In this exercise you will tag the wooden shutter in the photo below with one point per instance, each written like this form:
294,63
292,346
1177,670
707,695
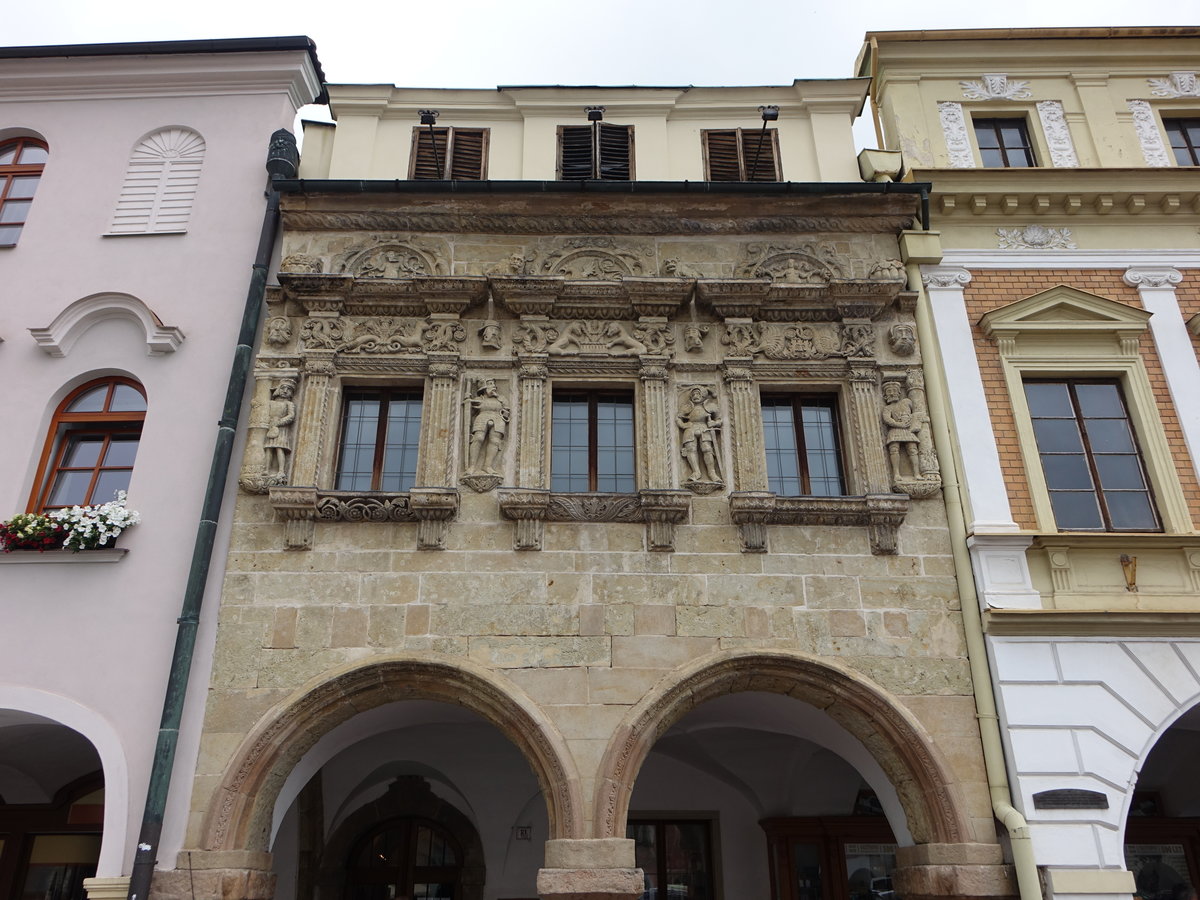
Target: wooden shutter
426,165
722,155
615,152
759,155
468,154
575,152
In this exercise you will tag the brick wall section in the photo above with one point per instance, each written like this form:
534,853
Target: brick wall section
990,289
1188,295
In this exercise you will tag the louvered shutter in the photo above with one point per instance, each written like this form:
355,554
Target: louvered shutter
160,183
615,152
721,149
758,155
575,152
429,154
467,152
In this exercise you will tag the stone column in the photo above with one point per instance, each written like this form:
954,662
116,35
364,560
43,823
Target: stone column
865,411
749,460
656,423
527,503
297,504
943,871
433,501
593,869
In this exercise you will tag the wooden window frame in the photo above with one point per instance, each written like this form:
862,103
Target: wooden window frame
831,834
14,170
1177,127
408,870
742,136
385,395
798,401
421,135
593,397
1097,487
597,173
711,823
65,424
994,123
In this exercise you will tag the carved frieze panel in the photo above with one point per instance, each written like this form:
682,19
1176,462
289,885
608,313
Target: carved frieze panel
401,256
595,337
810,263
596,258
381,334
882,514
346,506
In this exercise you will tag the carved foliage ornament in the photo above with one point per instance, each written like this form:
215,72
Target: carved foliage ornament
1175,85
995,86
1058,134
1145,125
805,264
381,334
800,342
594,258
1035,237
396,259
954,129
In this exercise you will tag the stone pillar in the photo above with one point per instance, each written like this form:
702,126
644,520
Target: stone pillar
245,875
865,411
527,504
254,465
656,423
749,460
435,456
593,869
944,871
312,417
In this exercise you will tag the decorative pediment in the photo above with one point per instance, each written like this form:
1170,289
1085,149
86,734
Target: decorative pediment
68,326
1069,316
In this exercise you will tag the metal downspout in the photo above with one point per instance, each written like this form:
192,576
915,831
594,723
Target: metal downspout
1028,881
281,163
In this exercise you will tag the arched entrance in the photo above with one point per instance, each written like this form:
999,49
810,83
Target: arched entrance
753,758
377,753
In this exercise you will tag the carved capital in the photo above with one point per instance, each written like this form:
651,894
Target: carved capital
319,363
1142,277
444,368
945,277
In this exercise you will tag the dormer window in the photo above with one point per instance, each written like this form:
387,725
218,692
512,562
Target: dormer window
455,154
600,152
735,154
1004,143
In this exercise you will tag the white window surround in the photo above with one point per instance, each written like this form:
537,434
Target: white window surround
160,183
68,326
1067,332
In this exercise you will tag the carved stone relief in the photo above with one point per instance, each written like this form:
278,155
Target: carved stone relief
910,451
600,258
1175,85
954,129
902,338
1058,134
1145,125
399,258
801,264
277,443
278,331
995,86
488,415
700,425
693,337
657,337
381,334
595,337
302,264
1035,237
490,335
533,336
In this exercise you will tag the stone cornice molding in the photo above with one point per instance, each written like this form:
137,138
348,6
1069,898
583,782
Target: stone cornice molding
68,326
1152,277
984,258
1098,623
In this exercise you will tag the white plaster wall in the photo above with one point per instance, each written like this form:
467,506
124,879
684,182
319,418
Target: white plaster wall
1084,713
98,637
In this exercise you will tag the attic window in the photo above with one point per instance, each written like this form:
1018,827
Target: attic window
456,154
737,155
601,152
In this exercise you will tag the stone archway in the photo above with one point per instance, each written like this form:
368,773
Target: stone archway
241,811
892,736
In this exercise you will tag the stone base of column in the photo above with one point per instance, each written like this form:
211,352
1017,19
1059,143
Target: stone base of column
242,884
593,869
107,888
941,871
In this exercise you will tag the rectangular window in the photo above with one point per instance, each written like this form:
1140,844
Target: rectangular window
1004,143
1089,455
458,154
595,152
1184,135
381,431
801,438
737,155
675,857
591,442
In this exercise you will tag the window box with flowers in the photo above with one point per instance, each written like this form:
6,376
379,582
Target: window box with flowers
75,528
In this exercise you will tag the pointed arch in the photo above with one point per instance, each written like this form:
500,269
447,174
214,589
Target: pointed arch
890,733
68,326
160,182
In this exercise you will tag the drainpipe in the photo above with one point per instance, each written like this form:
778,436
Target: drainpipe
282,159
1028,882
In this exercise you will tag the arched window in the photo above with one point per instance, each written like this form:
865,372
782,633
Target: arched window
160,183
21,164
406,857
92,444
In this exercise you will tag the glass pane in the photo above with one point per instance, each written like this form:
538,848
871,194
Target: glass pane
1057,436
83,452
986,136
14,211
1159,870
8,154
1130,510
122,450
992,159
1120,473
1053,400
1100,401
686,859
32,155
869,871
127,399
1068,472
109,482
433,891
806,865
9,235
92,401
23,186
1109,435
1076,510
70,489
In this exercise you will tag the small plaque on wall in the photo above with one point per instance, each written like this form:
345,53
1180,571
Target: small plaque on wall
1070,798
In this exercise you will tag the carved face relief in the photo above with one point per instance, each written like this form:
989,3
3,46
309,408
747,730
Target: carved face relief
693,337
278,330
489,335
902,339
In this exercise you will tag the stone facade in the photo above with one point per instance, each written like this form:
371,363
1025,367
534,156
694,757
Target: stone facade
580,628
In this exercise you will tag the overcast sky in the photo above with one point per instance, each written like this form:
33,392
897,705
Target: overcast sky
476,43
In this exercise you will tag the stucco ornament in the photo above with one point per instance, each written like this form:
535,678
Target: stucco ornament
1035,237
1145,125
700,423
803,264
593,258
277,443
954,130
902,338
278,330
595,337
489,417
995,86
1058,134
1175,85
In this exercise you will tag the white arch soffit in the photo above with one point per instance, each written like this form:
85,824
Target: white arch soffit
68,326
1182,708
104,738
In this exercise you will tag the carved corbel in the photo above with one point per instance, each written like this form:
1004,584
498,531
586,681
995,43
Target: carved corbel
663,510
525,295
433,508
885,515
527,507
297,507
750,511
